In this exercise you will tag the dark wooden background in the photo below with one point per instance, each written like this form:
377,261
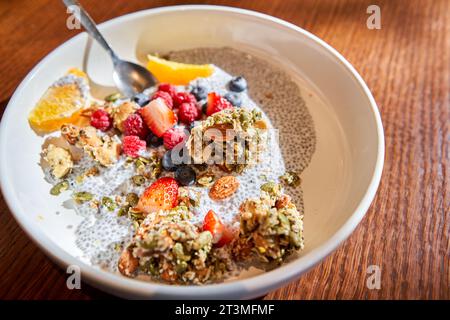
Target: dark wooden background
406,65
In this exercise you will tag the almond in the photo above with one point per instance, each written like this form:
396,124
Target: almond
224,188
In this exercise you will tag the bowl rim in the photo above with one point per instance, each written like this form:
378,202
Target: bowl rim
256,285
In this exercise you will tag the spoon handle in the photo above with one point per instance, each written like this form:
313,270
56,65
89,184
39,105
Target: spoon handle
90,26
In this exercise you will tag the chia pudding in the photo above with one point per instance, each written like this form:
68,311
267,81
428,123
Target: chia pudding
187,182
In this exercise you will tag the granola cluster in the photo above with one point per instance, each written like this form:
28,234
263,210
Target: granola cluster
168,247
232,139
270,227
103,148
59,160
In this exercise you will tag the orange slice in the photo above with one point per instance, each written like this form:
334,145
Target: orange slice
175,72
61,103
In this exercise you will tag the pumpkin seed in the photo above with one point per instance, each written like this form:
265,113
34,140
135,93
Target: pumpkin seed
140,162
157,169
269,187
138,180
109,203
283,219
59,187
123,211
82,196
291,178
206,180
178,251
181,267
256,115
132,199
112,97
150,267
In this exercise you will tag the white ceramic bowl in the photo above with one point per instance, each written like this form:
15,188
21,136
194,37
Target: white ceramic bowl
339,184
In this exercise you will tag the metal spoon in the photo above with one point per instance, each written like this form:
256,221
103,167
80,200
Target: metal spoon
130,78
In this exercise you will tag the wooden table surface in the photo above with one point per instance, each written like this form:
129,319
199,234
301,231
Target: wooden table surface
406,64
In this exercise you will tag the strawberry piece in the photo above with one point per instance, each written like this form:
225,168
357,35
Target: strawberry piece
222,235
212,223
216,103
228,236
160,195
158,116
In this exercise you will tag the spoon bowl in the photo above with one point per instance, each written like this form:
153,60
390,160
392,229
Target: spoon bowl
131,78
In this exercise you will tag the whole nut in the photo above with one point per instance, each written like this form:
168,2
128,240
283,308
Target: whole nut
224,188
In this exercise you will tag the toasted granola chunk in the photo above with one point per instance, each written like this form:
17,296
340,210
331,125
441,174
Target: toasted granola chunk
270,226
70,132
103,148
108,152
170,248
59,160
232,139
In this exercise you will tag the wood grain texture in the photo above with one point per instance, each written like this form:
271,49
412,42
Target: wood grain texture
406,64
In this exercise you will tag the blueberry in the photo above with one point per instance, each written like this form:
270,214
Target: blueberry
238,84
153,140
234,99
185,176
167,162
199,92
141,99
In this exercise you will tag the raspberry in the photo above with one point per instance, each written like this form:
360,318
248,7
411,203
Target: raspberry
101,120
188,112
169,88
131,145
165,96
182,97
134,126
174,136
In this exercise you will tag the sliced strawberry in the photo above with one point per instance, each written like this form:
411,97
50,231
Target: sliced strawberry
227,236
216,103
161,195
212,223
158,116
